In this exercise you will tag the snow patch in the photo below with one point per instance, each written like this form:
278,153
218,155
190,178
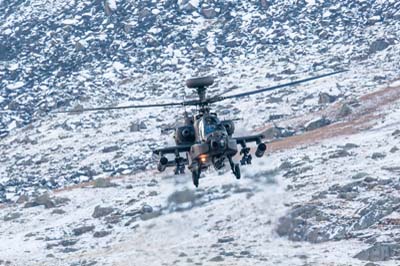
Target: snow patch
70,21
16,85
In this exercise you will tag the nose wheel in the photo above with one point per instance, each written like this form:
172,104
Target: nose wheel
196,177
236,171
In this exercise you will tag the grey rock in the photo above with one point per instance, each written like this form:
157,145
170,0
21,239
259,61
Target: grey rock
378,155
286,165
30,234
394,169
132,213
102,211
297,225
378,45
275,117
345,110
226,239
245,253
134,127
60,201
68,242
350,146
69,250
350,187
348,195
317,123
82,230
44,200
152,183
217,259
188,7
394,149
110,148
12,216
99,234
58,211
375,211
137,126
325,98
113,219
339,154
103,183
278,132
396,133
380,252
209,13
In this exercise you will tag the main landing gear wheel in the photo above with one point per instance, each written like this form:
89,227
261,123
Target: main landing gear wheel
196,177
235,168
236,171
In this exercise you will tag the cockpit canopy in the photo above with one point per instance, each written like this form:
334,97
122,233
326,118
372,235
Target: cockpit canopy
208,125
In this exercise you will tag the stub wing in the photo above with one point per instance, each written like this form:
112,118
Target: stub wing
246,139
172,150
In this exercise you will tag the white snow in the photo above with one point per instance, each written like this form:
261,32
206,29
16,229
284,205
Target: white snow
16,85
112,4
71,21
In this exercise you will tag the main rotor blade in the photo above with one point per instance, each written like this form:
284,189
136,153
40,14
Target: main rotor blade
221,98
129,107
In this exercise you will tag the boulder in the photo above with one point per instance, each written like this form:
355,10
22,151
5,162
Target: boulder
44,200
99,234
110,148
209,12
103,183
325,98
317,123
82,230
344,111
378,45
102,211
380,252
12,216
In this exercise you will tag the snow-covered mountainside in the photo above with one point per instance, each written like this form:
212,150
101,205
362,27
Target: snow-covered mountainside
326,194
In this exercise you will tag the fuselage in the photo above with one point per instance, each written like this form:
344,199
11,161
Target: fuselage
210,139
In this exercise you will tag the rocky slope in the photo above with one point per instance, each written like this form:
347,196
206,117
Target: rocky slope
305,205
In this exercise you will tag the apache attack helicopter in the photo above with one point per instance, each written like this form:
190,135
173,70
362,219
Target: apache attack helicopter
204,139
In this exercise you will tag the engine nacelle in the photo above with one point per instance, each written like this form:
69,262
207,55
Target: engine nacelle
229,126
261,148
185,134
162,164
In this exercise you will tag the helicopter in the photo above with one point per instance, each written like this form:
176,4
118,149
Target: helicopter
204,140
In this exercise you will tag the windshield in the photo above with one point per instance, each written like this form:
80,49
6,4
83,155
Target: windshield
208,125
